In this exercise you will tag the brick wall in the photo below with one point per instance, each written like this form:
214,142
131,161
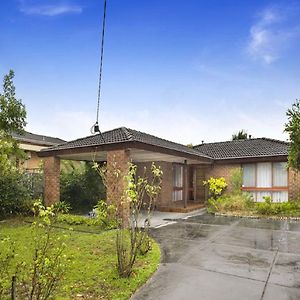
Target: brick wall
116,185
222,170
294,184
51,180
165,196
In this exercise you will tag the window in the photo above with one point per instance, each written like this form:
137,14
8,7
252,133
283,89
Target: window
266,179
264,175
249,175
279,174
177,182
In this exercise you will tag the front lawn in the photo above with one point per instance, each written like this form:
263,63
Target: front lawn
92,272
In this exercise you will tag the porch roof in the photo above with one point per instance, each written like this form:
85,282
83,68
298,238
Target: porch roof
124,138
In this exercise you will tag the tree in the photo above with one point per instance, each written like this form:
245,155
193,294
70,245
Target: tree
240,135
292,127
12,110
12,119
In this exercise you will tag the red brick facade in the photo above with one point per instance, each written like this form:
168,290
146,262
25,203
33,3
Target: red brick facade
51,180
221,170
118,161
164,199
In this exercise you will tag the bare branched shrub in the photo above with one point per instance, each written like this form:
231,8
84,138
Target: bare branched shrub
133,240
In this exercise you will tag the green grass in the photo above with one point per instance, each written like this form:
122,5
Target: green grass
92,271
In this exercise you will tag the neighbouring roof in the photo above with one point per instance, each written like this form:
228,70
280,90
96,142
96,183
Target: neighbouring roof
37,139
259,147
126,135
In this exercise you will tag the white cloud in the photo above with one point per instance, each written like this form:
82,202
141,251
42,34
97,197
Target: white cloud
271,34
175,124
49,10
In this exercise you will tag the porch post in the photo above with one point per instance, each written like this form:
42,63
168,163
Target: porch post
118,160
51,180
185,184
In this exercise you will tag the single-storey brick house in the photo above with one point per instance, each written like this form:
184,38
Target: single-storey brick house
263,162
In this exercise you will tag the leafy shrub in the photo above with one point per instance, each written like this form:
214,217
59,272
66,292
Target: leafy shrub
106,214
231,202
243,203
216,186
49,263
236,180
81,187
15,196
284,209
104,217
134,241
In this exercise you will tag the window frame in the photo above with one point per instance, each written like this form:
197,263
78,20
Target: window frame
177,188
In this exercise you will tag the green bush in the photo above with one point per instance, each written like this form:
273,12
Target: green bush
282,209
104,217
236,180
243,203
15,196
231,202
216,186
81,187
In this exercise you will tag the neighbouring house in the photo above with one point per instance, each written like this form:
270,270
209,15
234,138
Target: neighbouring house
32,144
184,169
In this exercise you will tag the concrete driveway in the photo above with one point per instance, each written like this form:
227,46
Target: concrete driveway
207,257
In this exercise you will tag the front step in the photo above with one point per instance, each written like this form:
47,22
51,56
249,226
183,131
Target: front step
189,208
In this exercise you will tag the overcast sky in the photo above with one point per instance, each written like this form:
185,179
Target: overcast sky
187,71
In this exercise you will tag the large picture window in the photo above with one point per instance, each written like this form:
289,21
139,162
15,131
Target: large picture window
266,179
177,182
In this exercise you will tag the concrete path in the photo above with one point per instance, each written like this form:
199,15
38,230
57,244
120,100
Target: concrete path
206,257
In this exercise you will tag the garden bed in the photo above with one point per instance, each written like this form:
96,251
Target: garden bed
92,272
255,216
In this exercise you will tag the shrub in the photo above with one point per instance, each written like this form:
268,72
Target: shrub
231,202
15,196
236,180
81,186
135,240
103,217
284,209
49,262
216,186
